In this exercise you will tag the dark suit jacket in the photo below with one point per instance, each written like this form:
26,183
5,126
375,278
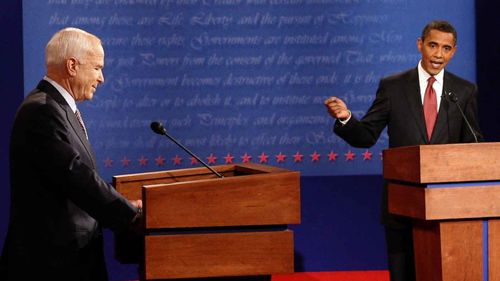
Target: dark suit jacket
58,201
398,106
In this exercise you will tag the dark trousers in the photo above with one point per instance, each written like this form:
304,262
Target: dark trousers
400,254
86,264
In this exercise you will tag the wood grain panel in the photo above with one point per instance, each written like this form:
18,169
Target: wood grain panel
407,200
402,163
427,248
494,249
260,199
443,163
448,251
462,250
464,202
221,254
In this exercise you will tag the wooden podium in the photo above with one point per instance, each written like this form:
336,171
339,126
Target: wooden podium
452,192
197,225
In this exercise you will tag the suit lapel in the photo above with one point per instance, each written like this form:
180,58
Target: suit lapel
81,135
70,116
441,121
412,90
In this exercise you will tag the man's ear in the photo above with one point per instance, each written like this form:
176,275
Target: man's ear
453,51
420,43
72,66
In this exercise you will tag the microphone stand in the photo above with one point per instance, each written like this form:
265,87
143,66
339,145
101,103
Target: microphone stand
159,129
454,99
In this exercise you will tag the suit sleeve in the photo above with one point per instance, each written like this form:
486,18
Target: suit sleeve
365,132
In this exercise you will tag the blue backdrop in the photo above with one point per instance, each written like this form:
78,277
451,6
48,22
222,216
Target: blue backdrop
240,80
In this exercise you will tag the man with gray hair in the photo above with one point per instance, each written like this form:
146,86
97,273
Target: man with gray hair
59,203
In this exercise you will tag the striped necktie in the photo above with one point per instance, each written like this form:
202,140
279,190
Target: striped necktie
80,120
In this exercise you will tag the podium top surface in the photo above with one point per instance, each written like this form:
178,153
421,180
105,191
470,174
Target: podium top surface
441,163
199,173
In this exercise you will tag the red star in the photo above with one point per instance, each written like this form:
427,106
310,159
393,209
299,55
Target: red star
142,161
176,160
125,161
211,158
367,155
108,162
194,161
297,157
349,156
280,158
246,158
229,158
315,156
160,161
263,158
332,156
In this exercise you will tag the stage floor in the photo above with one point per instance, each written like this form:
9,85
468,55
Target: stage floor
377,275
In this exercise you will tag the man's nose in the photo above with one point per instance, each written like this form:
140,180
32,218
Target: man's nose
100,78
439,53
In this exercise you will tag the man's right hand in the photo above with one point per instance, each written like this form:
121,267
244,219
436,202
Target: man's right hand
337,108
137,224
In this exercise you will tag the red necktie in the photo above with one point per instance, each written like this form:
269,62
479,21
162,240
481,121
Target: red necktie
430,107
79,118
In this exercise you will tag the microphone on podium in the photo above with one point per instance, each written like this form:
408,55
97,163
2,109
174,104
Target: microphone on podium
452,97
158,128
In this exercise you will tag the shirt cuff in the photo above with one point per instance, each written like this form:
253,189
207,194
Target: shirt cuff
344,121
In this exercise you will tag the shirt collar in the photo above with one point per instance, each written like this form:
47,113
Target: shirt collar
65,94
423,75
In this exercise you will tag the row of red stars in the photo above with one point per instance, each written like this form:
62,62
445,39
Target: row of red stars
229,158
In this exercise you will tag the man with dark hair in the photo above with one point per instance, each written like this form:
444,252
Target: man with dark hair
415,108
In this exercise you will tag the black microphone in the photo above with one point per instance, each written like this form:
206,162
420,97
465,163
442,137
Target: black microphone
158,128
452,97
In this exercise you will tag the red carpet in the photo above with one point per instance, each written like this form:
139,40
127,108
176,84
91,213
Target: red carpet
375,275
378,275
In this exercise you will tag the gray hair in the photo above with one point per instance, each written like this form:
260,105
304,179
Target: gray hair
69,42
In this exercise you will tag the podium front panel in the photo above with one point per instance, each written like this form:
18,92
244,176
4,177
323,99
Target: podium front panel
218,254
261,199
197,225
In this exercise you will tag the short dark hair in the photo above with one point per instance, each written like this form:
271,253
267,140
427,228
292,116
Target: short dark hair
440,25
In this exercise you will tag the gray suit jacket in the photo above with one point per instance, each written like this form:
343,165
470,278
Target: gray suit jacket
58,200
